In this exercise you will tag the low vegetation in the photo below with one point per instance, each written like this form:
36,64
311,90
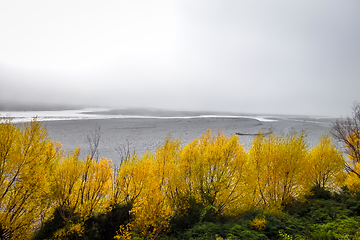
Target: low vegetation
211,188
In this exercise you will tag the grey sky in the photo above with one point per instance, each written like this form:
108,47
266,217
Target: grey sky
290,57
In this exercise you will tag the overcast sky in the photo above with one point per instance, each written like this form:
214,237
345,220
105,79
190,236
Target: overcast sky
269,56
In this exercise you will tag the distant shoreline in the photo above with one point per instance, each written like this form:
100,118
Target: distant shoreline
104,113
160,113
139,113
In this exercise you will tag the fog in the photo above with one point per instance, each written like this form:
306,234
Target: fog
258,56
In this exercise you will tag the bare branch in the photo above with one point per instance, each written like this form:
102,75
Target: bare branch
347,131
124,152
94,141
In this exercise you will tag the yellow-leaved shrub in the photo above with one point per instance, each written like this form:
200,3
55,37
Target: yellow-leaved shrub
212,175
26,156
80,188
325,164
277,164
215,171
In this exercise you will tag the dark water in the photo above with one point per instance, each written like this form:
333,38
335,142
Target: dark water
142,134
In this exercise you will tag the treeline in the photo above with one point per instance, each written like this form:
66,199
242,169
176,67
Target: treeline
46,193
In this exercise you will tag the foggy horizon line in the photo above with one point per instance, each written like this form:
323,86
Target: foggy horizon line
23,107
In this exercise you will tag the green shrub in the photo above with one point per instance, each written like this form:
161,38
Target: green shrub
348,228
239,232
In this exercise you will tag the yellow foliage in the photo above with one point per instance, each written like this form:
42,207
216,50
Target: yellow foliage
65,181
124,232
81,186
211,169
26,155
129,180
218,172
353,147
326,164
152,210
258,223
352,180
214,171
278,166
71,229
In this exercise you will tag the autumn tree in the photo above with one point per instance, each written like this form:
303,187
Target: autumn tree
26,158
352,180
326,164
278,166
145,182
210,171
40,182
215,171
79,188
347,131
